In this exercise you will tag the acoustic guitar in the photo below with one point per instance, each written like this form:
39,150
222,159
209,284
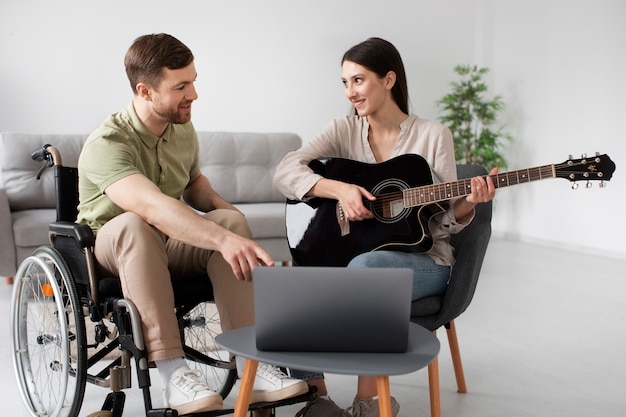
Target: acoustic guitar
406,199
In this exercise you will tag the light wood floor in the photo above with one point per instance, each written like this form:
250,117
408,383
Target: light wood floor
544,336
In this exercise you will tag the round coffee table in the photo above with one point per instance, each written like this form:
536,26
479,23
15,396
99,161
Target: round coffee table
423,347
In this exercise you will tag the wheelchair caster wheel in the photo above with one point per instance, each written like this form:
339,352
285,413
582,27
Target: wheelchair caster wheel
101,413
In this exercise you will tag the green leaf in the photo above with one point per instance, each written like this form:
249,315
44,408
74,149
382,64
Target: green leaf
473,119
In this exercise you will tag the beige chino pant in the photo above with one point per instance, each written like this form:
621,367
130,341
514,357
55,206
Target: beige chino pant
146,260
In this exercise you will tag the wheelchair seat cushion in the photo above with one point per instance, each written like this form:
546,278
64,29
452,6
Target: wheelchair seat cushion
110,287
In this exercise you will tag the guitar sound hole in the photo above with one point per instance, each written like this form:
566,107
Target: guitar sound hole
389,206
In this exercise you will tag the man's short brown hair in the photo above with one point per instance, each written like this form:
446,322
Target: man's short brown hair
149,54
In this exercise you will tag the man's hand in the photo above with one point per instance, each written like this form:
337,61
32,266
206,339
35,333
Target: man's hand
243,255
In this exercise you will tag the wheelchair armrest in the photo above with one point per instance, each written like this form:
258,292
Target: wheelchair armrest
82,233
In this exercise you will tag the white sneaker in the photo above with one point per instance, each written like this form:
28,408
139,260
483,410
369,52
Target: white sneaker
187,393
271,384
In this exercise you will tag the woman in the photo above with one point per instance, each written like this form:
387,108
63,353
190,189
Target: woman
380,129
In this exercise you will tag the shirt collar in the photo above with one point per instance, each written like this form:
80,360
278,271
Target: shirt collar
145,135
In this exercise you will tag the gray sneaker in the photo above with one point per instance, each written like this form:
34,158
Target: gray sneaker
321,407
369,408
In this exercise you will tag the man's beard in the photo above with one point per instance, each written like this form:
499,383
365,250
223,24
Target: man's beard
171,115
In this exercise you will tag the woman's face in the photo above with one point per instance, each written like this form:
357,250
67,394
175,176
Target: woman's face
364,89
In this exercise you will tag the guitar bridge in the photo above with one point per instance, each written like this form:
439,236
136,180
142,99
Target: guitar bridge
344,224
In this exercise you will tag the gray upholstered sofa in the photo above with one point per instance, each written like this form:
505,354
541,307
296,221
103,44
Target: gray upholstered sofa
239,165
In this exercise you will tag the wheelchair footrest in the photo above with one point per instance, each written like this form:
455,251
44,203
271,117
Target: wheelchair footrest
114,403
307,396
161,412
262,405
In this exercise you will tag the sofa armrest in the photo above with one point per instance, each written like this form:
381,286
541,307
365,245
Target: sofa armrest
7,242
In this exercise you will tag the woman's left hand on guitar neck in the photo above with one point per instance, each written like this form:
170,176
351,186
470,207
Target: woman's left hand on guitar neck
482,192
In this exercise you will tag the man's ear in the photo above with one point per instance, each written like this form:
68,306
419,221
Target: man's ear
390,80
144,91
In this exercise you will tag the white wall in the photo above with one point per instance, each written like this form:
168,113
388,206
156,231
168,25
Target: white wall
559,65
274,66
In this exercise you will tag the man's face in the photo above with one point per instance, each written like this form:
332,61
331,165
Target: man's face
172,99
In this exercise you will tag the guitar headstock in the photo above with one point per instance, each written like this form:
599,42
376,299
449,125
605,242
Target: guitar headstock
593,168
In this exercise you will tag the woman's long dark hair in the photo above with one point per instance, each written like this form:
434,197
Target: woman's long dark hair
380,56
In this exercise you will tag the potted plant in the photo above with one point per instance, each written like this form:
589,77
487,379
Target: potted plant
472,118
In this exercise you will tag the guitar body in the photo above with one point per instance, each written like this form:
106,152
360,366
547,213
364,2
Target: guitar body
313,229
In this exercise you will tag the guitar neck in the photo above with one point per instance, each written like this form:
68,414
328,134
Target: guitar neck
441,192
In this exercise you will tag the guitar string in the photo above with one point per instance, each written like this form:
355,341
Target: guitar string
445,191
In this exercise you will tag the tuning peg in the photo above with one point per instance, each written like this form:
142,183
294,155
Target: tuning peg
588,184
574,186
602,184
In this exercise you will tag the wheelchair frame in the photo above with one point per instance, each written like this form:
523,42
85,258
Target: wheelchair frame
56,289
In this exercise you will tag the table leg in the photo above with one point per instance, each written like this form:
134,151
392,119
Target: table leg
245,388
384,395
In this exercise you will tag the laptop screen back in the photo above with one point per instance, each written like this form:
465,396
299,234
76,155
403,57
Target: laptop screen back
332,309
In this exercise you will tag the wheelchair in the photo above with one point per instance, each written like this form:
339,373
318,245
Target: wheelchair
71,327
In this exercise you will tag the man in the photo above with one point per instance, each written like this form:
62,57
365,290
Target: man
133,171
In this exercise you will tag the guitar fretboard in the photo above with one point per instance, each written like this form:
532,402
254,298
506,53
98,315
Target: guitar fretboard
440,192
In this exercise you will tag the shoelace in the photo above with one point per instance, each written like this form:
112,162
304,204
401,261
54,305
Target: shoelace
359,408
190,381
270,371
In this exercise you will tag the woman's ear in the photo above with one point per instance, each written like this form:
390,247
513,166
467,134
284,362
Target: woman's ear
390,80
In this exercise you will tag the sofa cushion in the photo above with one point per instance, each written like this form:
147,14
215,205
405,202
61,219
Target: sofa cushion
19,171
242,173
265,219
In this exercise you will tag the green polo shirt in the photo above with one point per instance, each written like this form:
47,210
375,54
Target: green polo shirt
122,146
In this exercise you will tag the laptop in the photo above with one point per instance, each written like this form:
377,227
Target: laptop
332,309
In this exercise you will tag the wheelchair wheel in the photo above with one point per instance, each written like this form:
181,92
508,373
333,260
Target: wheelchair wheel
218,368
48,329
